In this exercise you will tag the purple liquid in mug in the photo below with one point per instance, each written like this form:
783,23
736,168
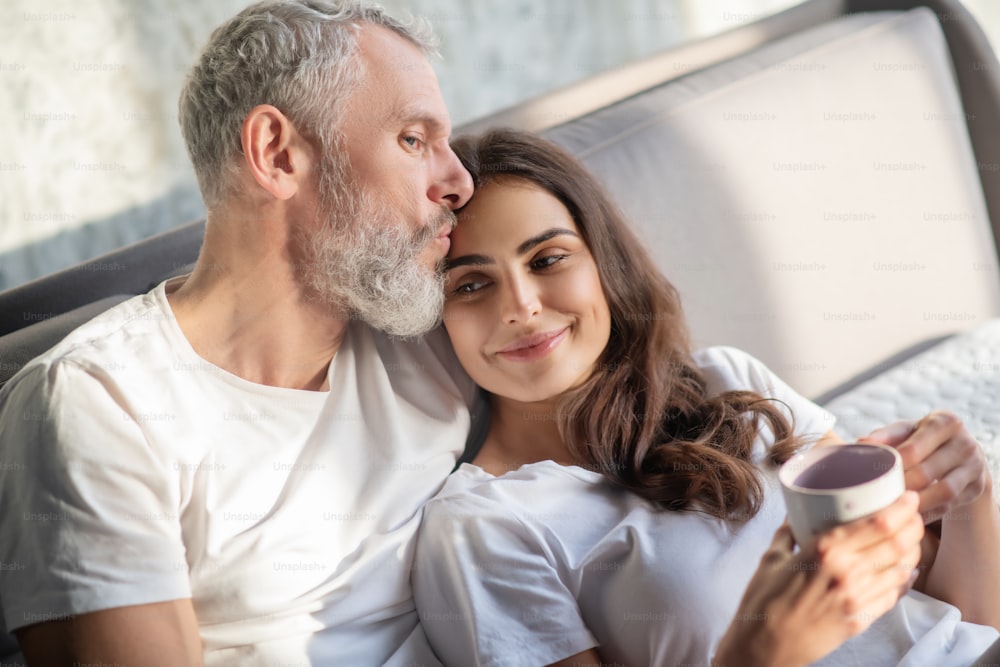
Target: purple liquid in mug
849,465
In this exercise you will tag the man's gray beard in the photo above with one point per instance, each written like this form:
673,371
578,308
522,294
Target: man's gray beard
362,260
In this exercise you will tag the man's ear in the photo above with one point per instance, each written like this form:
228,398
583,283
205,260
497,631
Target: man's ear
276,154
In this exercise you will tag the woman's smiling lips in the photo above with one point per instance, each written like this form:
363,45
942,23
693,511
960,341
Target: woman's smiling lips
533,347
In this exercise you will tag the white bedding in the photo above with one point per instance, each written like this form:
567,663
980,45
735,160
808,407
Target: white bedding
961,374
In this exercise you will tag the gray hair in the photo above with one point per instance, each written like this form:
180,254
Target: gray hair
299,56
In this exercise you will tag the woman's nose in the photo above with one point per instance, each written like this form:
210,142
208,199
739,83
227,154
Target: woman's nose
521,301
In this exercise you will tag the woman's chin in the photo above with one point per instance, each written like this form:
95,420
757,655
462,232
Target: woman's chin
532,393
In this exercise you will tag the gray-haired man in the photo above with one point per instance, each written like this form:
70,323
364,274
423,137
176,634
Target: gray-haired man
230,469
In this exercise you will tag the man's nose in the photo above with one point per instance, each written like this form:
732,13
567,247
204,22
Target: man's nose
453,185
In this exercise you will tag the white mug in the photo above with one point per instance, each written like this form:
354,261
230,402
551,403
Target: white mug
830,485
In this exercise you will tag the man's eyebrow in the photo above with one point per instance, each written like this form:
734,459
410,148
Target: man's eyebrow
413,114
485,260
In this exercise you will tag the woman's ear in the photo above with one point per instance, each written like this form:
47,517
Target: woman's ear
276,154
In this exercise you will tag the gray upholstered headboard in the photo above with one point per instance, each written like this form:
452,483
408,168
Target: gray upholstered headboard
817,201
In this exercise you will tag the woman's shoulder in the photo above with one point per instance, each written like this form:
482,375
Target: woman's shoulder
730,369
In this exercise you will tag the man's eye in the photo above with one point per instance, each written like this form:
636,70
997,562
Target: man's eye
412,141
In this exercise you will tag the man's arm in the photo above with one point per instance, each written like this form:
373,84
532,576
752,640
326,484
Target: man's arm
83,484
148,635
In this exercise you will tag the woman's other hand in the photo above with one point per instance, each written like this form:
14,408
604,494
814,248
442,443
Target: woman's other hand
942,461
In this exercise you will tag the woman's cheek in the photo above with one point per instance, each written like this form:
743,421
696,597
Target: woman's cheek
463,331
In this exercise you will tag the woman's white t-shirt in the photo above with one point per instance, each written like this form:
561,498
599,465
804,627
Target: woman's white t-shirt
547,561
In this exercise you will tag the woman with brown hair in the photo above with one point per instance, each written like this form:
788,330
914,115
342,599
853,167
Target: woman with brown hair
625,491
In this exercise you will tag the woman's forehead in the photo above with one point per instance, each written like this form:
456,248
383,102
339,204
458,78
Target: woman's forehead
503,211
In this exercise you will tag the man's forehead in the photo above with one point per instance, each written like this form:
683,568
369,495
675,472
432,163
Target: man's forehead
388,50
406,80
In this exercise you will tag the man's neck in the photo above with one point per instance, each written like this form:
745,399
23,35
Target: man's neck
244,309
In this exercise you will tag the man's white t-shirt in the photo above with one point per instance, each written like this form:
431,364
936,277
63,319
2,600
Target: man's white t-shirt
548,561
136,472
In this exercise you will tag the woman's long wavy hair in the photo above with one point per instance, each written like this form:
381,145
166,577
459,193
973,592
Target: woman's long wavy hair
644,418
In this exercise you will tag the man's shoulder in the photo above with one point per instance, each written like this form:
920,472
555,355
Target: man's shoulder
429,357
110,342
434,342
139,313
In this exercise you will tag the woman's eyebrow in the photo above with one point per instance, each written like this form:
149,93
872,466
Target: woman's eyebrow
543,237
465,260
485,260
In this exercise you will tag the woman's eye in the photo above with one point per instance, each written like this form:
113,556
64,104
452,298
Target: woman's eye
469,287
547,261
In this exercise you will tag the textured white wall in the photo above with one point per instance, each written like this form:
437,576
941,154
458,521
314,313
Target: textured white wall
92,155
